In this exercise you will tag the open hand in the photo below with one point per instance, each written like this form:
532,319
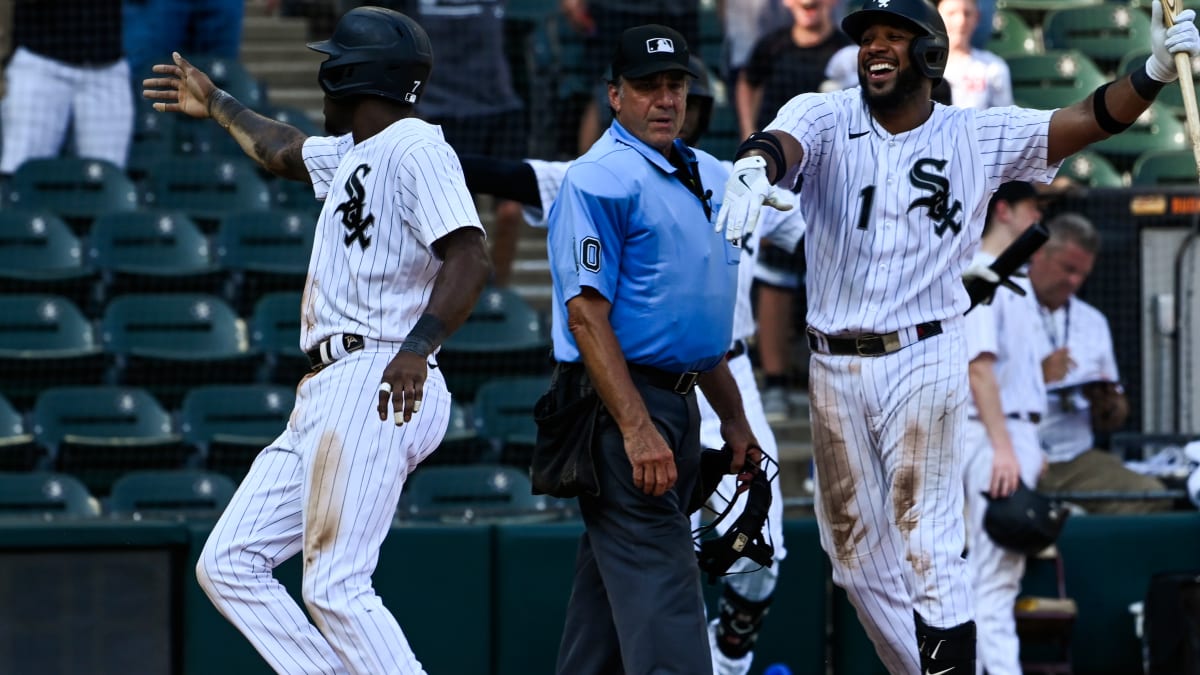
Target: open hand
186,90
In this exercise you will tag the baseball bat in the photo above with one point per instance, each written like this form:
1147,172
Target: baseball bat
1183,64
1009,261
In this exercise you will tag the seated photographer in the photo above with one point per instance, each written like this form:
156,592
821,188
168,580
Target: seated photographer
1083,387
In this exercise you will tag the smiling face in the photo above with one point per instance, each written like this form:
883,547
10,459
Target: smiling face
885,71
651,108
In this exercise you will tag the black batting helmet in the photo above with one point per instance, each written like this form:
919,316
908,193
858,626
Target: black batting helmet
1025,521
375,51
700,96
929,49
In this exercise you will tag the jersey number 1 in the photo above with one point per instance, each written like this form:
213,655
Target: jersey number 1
864,213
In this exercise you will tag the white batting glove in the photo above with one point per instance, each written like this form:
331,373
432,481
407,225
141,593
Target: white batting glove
746,192
982,272
1166,42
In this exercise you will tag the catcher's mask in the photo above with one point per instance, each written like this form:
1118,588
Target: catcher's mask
1025,521
716,552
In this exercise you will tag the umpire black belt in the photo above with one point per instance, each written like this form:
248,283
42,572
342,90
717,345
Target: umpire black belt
871,344
1031,417
333,348
680,383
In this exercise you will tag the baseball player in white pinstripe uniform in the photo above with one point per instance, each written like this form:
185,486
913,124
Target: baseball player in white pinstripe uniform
894,189
1008,401
748,588
397,264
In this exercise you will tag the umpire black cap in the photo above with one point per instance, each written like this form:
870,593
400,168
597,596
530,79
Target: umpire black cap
646,50
931,47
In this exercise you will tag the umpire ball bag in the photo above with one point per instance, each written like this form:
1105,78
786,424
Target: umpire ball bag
1025,521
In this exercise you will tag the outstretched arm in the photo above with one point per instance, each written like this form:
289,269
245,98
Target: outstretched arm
1115,106
277,147
503,178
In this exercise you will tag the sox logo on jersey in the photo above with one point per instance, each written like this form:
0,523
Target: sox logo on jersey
352,209
923,178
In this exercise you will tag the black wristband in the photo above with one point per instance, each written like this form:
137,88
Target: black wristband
1103,117
1147,87
761,140
424,336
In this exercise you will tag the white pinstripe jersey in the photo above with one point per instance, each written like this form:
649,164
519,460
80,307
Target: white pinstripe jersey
894,219
1002,329
783,229
387,199
1066,430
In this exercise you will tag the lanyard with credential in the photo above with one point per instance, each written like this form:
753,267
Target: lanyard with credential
1051,327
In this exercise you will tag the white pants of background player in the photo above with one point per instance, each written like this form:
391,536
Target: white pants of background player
45,97
887,445
758,584
328,486
995,573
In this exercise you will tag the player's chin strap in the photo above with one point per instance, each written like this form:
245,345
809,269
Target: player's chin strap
744,538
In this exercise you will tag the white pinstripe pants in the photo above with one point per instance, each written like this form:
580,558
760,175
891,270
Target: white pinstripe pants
328,486
888,449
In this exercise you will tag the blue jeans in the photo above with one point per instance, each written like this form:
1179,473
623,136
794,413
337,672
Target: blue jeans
155,28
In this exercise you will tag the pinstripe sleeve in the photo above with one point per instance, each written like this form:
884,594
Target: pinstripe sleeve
433,192
811,120
321,157
1013,143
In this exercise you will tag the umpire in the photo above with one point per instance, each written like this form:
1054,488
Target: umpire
643,312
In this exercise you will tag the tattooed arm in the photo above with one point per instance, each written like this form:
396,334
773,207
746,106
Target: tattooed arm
274,145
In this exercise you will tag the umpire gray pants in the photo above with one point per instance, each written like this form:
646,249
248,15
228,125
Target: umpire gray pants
636,606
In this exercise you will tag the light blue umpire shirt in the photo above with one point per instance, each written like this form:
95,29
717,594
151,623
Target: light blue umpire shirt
627,226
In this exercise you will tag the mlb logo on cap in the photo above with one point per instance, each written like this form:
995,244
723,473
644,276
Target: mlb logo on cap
645,50
656,45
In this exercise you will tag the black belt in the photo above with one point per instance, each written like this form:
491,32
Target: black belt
1023,416
871,344
321,355
680,383
739,348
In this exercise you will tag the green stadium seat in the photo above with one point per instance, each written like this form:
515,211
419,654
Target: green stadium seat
1012,36
292,195
1155,129
151,251
1165,167
1053,80
181,494
1091,170
476,493
504,416
206,187
1105,33
45,341
264,252
153,138
275,332
170,342
232,76
73,188
45,495
503,336
295,117
1171,95
18,449
462,444
40,254
230,425
98,433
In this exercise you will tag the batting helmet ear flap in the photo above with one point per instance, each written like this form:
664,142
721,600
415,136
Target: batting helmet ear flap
929,53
